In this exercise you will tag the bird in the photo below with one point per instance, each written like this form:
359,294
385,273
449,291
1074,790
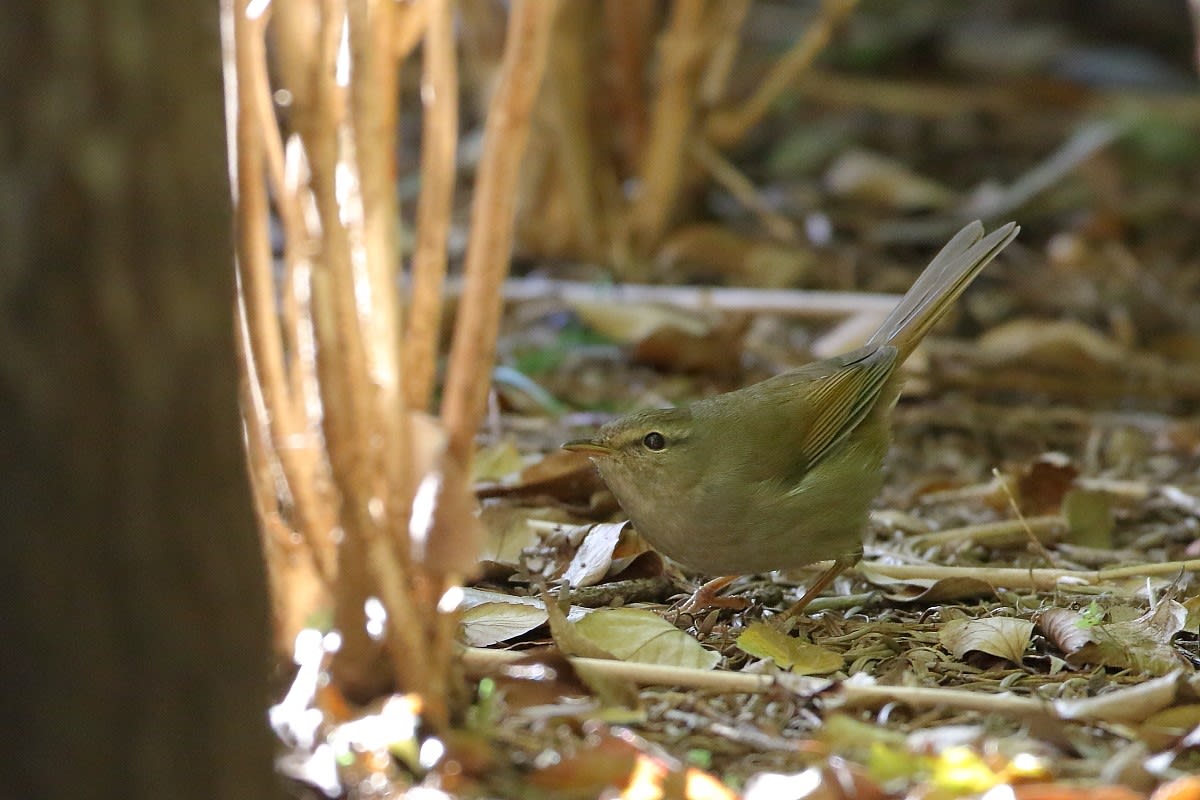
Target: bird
782,473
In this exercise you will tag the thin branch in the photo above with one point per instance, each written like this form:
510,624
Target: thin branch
728,127
257,291
789,302
726,174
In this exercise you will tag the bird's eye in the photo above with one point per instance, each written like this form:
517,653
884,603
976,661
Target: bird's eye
654,441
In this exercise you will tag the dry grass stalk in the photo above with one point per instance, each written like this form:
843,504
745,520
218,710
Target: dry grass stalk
338,453
613,165
728,127
492,213
439,93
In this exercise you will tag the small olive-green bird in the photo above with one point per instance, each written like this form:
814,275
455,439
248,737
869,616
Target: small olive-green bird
782,473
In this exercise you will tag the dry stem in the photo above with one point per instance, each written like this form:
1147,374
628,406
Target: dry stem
681,50
487,257
728,127
439,93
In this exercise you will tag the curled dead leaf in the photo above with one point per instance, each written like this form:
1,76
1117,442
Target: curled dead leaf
594,557
1003,637
1065,629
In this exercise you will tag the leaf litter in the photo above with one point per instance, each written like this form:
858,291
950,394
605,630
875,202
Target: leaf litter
1048,446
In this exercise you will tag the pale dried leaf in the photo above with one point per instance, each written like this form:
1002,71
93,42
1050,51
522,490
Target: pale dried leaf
632,634
594,557
1054,344
788,652
630,324
567,636
1003,637
489,623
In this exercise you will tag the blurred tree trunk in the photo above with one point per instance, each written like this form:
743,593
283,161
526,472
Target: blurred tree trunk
133,615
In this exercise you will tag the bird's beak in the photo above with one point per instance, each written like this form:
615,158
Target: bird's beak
587,447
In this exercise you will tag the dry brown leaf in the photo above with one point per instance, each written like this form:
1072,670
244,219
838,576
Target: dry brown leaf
1058,791
1185,788
619,762
1065,629
560,476
1044,483
544,677
925,590
670,338
1003,637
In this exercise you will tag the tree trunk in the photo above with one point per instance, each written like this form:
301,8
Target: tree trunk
133,615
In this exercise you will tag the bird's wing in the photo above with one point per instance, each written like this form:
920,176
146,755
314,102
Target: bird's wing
842,399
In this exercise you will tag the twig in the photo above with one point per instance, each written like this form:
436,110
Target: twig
728,127
565,103
1016,509
1005,532
1037,579
628,25
726,20
481,661
821,305
263,353
1086,141
725,173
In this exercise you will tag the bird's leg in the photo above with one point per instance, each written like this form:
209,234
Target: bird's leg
819,585
705,597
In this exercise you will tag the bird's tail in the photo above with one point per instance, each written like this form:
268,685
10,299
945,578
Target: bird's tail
950,272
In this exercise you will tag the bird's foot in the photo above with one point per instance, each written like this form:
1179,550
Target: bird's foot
706,598
821,583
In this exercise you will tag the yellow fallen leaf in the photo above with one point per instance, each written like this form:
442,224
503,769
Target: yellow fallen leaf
632,634
788,652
